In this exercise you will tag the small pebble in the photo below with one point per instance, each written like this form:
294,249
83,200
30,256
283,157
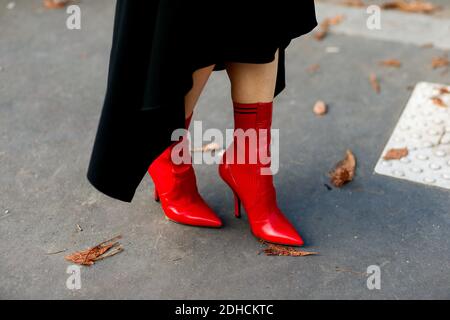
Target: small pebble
320,108
11,5
332,49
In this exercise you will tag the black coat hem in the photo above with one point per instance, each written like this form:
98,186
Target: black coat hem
112,192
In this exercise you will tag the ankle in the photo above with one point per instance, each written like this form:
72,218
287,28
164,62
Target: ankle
187,120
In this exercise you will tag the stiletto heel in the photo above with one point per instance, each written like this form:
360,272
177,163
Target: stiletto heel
237,206
156,195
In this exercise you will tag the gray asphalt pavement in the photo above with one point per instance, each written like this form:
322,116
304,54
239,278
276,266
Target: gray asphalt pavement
52,83
443,6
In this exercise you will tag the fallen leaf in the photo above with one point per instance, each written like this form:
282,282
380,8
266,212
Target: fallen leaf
375,83
344,170
439,102
353,3
313,68
391,63
396,154
101,251
279,250
428,45
440,62
320,108
56,4
444,90
322,33
415,6
336,20
325,26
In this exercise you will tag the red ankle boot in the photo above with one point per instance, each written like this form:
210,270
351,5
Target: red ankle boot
176,189
256,191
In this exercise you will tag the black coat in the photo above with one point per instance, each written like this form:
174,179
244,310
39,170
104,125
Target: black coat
157,45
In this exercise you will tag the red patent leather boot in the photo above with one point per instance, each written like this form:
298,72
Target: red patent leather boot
176,189
254,190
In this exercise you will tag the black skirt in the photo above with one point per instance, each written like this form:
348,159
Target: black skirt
156,47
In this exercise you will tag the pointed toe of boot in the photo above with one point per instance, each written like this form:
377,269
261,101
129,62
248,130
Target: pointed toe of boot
207,218
286,238
278,230
198,214
291,239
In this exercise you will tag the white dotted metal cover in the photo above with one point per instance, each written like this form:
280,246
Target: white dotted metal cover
424,129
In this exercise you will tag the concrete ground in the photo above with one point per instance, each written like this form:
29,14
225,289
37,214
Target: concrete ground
442,12
52,83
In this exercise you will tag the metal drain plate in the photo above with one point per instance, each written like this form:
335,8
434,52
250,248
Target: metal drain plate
423,128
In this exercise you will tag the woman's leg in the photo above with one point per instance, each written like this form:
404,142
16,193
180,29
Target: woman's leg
200,78
252,83
253,88
175,184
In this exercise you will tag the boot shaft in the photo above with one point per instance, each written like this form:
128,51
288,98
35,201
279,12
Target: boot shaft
252,136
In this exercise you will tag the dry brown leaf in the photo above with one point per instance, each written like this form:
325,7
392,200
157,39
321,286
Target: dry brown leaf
89,256
428,45
444,90
325,26
313,68
320,108
322,33
353,3
391,63
415,6
279,250
440,62
56,4
336,20
439,102
396,154
344,171
375,83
